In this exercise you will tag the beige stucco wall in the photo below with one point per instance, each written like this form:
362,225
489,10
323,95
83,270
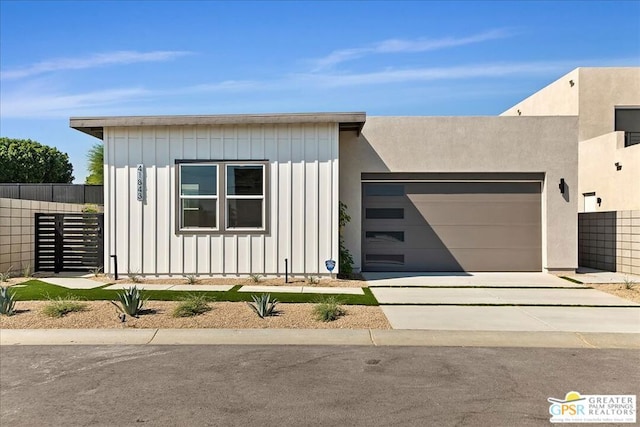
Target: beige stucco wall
595,94
17,230
618,189
560,98
471,144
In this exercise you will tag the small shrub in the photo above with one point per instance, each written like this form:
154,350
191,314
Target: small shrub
191,279
131,301
628,283
255,278
96,271
26,270
263,305
134,276
4,277
193,305
328,310
7,303
313,280
59,307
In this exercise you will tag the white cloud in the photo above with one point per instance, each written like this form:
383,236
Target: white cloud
92,61
29,103
405,46
434,73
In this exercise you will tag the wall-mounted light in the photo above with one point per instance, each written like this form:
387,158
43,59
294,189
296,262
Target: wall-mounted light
571,83
562,185
519,112
618,166
599,201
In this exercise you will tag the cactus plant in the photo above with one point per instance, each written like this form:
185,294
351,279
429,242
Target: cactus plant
7,303
131,301
263,305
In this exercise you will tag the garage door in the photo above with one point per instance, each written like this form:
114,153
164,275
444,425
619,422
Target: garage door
452,226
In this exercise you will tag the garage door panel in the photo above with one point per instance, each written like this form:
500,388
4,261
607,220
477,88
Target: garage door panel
453,226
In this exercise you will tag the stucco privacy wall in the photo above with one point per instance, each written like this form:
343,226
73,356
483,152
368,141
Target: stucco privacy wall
471,144
619,190
17,230
302,199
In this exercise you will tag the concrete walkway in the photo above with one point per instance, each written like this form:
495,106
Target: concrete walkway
342,337
499,296
467,279
72,282
591,276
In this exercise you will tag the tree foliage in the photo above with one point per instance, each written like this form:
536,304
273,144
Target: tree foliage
96,164
24,160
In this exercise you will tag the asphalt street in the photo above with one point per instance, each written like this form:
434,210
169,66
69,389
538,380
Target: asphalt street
300,385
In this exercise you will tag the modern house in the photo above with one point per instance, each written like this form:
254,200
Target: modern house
607,104
240,194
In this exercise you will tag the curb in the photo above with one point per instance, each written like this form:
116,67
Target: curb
343,337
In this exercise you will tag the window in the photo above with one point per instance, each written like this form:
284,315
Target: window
198,196
628,121
222,196
245,196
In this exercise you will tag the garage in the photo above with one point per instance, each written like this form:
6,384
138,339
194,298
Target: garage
462,222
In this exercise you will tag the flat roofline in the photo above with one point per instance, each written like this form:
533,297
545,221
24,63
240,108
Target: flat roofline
94,126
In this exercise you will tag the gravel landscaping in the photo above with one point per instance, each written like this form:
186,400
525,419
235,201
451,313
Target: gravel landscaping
232,315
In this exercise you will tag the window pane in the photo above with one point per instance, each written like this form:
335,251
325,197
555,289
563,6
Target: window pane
244,180
199,213
384,213
244,213
198,180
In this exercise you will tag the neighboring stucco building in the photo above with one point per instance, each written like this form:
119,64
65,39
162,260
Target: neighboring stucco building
240,194
607,103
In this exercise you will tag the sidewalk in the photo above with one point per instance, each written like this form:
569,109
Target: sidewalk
341,337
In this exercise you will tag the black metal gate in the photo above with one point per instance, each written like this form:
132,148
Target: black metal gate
69,241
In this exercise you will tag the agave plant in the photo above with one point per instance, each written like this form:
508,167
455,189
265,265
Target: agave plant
131,301
7,303
263,305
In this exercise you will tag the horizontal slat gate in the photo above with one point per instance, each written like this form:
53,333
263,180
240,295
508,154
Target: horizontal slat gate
68,242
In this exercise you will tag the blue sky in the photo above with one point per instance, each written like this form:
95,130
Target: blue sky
92,58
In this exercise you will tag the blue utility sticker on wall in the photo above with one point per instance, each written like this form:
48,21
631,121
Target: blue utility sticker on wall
331,264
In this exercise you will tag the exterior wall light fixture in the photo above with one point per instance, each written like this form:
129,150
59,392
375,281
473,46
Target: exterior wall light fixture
562,186
618,166
599,200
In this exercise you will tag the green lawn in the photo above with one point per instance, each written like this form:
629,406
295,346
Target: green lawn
35,290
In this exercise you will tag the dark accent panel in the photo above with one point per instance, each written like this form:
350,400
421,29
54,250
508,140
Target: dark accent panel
446,176
384,213
384,190
68,242
385,236
395,259
597,241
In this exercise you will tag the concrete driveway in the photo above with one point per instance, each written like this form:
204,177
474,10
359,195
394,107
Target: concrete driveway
499,302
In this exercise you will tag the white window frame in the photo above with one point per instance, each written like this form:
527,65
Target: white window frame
228,197
182,197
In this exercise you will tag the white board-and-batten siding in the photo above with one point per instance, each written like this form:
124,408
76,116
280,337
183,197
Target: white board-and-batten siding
302,200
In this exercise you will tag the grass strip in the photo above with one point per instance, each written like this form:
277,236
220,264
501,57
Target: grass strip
36,290
571,279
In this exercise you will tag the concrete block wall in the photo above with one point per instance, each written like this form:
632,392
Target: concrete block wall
628,242
17,230
610,241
